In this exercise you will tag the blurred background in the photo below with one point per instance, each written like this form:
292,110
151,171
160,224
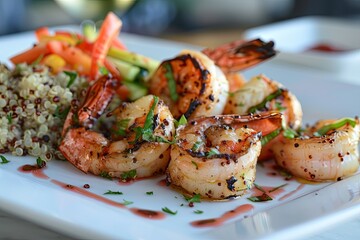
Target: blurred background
171,19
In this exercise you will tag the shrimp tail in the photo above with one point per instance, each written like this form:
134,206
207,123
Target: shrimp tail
239,55
98,97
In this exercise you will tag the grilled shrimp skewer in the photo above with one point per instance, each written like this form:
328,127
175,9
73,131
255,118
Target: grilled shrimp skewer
193,84
216,156
139,142
323,152
260,94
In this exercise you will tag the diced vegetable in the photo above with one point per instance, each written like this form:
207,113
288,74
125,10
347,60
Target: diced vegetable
79,60
128,72
54,61
135,90
134,58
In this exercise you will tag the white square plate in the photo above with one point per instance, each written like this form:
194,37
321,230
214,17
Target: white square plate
294,39
70,211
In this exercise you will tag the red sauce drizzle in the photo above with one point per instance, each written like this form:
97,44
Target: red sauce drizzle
155,215
34,169
301,186
215,222
272,174
162,183
88,194
323,47
149,214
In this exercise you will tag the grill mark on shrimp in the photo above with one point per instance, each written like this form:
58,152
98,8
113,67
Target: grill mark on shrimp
193,105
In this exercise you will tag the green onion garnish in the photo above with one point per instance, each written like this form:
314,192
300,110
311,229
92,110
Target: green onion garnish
338,124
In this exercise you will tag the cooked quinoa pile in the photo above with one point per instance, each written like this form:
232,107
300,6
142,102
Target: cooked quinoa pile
33,108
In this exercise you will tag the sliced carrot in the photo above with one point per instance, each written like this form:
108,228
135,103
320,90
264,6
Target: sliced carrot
40,32
108,32
30,55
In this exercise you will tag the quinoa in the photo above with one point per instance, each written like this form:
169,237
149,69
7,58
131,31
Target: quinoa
33,107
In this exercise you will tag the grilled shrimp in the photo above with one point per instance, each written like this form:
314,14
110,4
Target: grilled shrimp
193,84
260,94
139,141
216,156
326,151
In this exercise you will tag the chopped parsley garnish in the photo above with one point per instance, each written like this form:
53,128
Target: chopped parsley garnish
264,196
150,193
61,114
267,138
337,124
195,198
3,160
290,133
276,188
72,77
105,175
127,202
182,121
262,105
212,152
167,210
279,107
103,70
127,176
40,162
261,198
195,164
146,133
122,125
171,82
9,118
259,188
109,192
198,211
196,146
